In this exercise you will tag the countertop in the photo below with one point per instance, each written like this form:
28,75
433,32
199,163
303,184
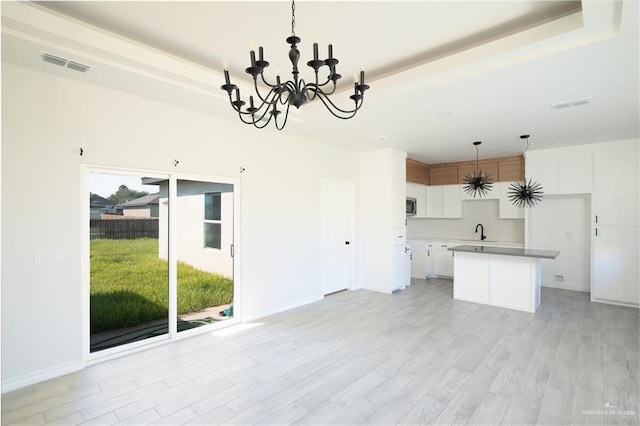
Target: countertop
507,251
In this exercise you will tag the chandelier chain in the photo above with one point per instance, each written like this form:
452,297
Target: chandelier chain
293,18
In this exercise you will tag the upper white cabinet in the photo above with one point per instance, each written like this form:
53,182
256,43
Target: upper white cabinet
419,192
575,172
542,166
616,180
561,172
492,194
443,201
506,209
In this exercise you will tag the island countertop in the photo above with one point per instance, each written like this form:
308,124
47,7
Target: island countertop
507,251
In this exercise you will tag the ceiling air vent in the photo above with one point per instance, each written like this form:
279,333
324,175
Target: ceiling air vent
64,62
77,66
56,60
570,104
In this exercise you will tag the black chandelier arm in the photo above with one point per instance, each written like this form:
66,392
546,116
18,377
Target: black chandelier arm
332,108
264,80
270,95
286,117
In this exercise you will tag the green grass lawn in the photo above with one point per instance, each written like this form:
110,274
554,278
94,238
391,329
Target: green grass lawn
129,285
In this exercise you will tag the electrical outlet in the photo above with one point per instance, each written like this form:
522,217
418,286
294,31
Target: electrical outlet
558,278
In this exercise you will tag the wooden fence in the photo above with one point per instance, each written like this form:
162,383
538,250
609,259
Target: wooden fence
123,229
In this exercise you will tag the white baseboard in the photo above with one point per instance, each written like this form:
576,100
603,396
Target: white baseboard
567,286
41,376
282,308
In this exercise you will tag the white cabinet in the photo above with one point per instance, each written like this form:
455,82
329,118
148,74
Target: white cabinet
506,209
442,260
419,192
443,201
616,237
418,259
401,267
616,271
575,172
616,198
430,257
382,199
492,194
561,172
542,166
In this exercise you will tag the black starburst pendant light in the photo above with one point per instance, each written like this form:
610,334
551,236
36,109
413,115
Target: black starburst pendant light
525,193
276,97
477,183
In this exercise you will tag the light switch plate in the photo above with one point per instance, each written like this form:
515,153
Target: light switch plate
48,256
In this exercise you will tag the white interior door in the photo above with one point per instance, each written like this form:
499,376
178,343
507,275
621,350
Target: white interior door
337,235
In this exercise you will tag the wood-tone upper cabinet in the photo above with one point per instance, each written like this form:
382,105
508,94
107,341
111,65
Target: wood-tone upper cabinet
510,170
444,175
489,168
417,172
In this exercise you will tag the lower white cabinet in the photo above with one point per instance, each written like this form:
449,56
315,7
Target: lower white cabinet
430,257
442,260
418,259
615,269
401,267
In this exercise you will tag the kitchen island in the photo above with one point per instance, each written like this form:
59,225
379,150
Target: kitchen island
507,277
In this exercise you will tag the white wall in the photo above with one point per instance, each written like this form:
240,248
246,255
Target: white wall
473,212
45,122
191,245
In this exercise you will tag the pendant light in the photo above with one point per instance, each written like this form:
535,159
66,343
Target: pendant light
523,193
477,183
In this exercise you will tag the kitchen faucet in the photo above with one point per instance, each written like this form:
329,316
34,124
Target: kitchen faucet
482,236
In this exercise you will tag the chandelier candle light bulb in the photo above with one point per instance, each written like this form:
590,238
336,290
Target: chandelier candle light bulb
294,92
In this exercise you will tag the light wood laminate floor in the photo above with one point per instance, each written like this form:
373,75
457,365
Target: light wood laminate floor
360,357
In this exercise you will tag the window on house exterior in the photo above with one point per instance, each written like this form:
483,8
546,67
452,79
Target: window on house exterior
212,220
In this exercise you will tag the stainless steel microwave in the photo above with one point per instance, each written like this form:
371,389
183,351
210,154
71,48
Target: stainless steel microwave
411,206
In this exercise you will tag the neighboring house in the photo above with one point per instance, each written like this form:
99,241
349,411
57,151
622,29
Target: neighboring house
205,225
146,206
99,205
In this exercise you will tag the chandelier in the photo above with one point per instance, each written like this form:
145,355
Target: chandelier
523,193
477,183
276,97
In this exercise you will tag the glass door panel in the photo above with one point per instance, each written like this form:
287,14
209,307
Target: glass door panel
129,286
204,252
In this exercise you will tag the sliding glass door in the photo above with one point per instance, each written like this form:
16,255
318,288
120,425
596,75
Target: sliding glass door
129,280
204,251
161,257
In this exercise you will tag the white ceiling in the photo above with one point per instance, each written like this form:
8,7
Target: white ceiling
442,73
